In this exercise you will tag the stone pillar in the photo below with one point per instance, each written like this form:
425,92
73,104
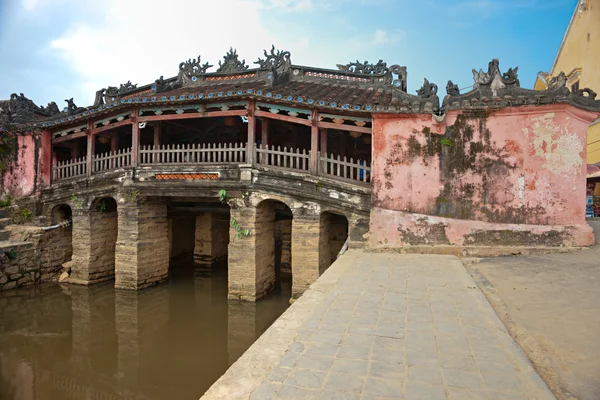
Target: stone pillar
241,254
305,252
142,252
94,236
324,244
283,247
212,238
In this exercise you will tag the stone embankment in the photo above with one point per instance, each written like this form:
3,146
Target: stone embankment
30,254
385,326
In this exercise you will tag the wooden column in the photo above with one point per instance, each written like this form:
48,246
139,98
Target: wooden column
157,134
114,143
251,133
314,143
135,140
91,148
47,157
323,147
264,137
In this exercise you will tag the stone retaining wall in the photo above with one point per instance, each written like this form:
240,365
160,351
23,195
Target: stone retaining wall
20,267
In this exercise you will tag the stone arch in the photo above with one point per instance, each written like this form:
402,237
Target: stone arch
333,233
61,213
95,230
273,244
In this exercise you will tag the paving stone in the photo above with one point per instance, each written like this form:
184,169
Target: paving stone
265,391
424,374
451,361
344,382
383,387
423,359
463,379
278,374
289,359
321,349
352,367
305,379
420,391
326,337
355,351
294,393
391,332
501,380
317,363
357,339
453,393
335,395
396,356
385,370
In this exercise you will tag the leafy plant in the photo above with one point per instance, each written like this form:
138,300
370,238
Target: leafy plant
223,196
131,195
318,186
25,212
239,232
6,202
446,141
11,254
78,202
102,205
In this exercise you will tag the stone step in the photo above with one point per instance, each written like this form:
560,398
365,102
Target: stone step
4,235
3,213
6,245
4,222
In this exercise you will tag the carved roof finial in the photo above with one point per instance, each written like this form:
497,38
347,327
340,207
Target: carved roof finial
231,63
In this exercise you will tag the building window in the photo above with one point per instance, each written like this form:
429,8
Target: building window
575,87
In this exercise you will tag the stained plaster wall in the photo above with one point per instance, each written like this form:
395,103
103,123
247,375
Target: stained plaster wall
510,177
23,171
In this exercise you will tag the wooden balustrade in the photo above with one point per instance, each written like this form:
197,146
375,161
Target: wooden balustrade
69,169
336,167
339,167
112,160
211,153
287,158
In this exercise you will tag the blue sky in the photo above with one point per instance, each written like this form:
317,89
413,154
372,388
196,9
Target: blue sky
52,50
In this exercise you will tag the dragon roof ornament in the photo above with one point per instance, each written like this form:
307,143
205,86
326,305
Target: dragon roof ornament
231,63
18,109
380,68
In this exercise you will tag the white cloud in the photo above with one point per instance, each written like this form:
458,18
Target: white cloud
29,5
289,5
383,37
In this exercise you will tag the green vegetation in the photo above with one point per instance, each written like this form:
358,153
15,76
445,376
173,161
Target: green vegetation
102,205
239,232
77,202
446,141
6,202
223,196
11,254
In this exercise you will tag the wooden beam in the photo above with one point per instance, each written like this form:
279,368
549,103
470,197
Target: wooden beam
314,144
157,134
114,143
91,148
340,127
251,133
323,148
286,118
264,134
70,137
111,126
135,141
167,117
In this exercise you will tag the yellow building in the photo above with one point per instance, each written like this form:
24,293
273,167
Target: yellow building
579,57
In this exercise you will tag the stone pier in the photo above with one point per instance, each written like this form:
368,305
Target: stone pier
95,234
142,251
211,240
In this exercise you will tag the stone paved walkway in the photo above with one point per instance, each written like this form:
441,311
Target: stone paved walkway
380,326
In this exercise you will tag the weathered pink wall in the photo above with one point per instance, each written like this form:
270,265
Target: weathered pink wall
23,176
510,177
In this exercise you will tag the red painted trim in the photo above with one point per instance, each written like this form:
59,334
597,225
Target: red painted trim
70,137
227,113
314,143
135,141
46,157
287,118
340,127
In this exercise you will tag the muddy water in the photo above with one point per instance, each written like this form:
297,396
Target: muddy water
169,342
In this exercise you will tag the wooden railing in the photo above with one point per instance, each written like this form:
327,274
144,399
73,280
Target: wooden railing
343,168
69,169
283,158
226,153
336,167
112,160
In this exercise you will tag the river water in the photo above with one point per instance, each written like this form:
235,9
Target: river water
172,341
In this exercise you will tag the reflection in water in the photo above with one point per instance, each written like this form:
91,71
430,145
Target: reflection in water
168,342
